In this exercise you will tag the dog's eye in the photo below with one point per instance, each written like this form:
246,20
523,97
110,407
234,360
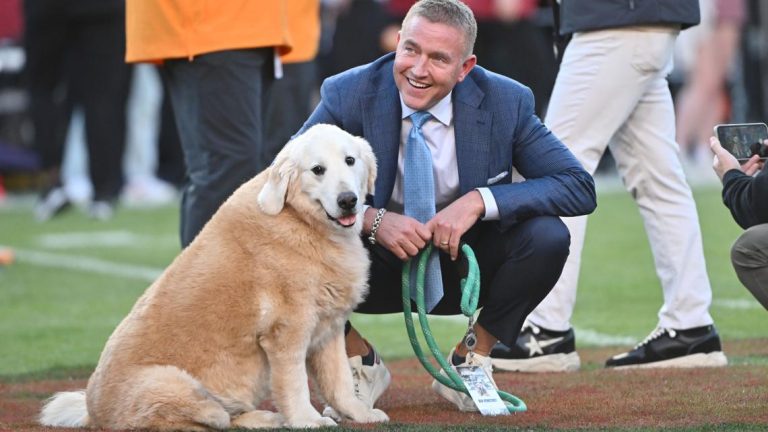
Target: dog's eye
350,160
318,170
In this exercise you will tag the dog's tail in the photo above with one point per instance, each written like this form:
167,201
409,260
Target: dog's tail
65,409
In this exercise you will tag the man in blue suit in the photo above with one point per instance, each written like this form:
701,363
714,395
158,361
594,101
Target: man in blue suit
479,128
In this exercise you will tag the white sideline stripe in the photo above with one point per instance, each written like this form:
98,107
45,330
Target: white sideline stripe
592,337
737,304
149,274
88,264
88,239
586,336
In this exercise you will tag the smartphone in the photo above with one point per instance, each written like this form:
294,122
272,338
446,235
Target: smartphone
743,140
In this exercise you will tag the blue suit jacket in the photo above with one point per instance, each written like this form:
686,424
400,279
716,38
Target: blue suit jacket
496,130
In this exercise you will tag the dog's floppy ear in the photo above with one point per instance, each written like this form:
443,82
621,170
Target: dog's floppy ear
370,163
272,196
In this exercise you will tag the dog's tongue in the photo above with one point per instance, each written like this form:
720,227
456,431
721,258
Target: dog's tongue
347,220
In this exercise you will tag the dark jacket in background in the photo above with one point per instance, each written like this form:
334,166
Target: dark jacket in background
746,197
586,15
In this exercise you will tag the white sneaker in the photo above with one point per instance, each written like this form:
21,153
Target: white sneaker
51,204
101,210
370,382
462,400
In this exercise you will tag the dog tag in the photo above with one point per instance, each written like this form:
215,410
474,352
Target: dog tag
482,391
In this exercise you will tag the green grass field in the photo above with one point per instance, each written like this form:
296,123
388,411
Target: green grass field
74,279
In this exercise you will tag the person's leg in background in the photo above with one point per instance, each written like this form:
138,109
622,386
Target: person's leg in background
749,256
595,65
170,157
703,100
648,159
46,44
219,101
289,106
632,64
101,81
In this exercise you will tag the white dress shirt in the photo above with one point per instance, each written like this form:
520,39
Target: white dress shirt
439,134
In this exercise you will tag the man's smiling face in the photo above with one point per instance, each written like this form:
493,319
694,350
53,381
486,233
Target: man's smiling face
430,60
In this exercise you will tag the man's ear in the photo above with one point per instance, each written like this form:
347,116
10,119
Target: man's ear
272,196
467,66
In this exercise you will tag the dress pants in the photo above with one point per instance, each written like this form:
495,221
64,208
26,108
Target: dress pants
749,256
612,92
518,267
219,102
290,105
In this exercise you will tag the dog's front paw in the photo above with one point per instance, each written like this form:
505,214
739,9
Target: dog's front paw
374,415
312,423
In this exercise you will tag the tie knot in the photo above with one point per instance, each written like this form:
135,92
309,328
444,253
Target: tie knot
419,118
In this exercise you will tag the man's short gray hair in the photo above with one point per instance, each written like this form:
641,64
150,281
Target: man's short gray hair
450,12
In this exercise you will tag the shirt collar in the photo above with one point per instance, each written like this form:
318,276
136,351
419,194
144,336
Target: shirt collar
442,111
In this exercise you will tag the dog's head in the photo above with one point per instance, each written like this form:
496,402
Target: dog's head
324,168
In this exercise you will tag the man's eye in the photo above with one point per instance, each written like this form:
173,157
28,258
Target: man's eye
349,160
318,170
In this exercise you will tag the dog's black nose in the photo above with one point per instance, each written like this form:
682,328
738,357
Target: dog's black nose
347,200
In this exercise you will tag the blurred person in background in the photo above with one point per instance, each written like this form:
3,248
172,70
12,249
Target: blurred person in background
290,102
75,51
352,34
745,189
707,53
170,157
219,62
612,91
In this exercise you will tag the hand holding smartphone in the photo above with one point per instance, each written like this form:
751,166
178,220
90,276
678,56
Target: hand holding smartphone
743,140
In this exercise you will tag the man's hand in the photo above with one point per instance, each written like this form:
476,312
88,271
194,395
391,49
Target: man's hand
725,161
404,236
452,222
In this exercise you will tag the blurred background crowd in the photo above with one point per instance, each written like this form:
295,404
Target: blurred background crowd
62,63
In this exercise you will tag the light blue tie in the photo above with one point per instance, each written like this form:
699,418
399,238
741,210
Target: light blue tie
419,203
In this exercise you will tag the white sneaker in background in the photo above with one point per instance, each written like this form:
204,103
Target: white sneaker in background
148,192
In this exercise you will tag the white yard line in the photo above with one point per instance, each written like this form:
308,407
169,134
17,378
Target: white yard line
737,304
583,336
149,274
586,336
88,239
109,239
87,264
595,338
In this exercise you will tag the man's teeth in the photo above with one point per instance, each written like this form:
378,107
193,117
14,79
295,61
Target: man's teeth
416,84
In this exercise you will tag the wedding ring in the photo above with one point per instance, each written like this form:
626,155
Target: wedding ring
444,243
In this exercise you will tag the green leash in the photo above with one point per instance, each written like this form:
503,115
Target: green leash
470,291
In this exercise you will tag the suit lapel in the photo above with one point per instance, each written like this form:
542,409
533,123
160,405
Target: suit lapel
472,127
381,126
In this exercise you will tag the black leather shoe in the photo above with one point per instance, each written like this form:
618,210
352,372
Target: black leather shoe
538,350
696,347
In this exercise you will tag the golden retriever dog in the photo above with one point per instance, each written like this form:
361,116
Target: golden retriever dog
248,311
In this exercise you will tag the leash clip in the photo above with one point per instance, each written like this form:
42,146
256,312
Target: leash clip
470,339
